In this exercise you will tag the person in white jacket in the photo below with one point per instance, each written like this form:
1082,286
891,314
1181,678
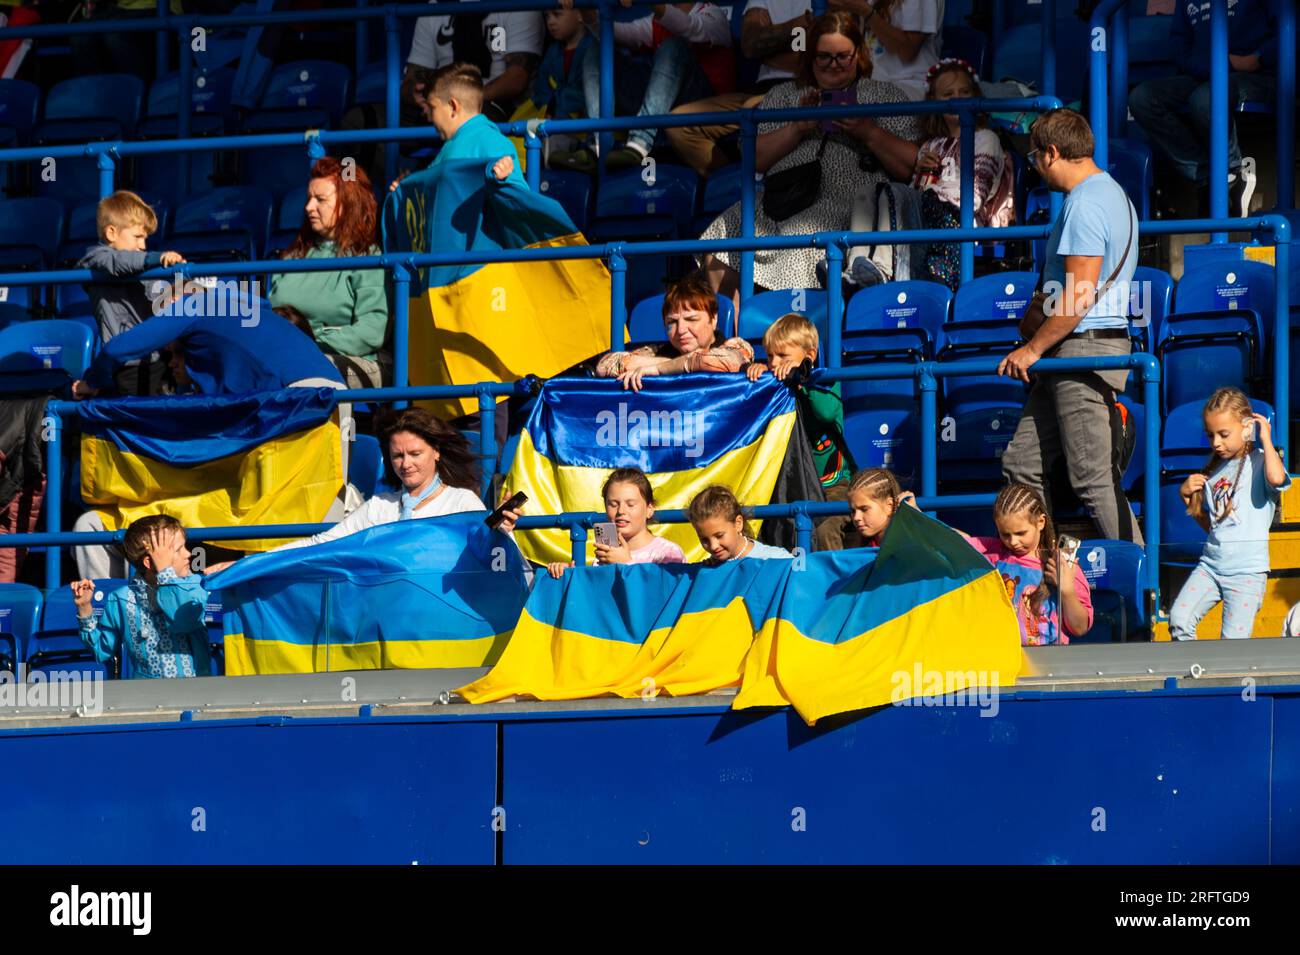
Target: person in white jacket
676,53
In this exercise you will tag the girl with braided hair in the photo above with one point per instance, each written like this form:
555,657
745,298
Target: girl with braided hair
1233,498
1050,595
874,497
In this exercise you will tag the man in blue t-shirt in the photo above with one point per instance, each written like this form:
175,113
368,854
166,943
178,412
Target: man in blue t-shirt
1174,111
1091,255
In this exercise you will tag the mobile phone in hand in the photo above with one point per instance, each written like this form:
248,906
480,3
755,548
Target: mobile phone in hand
494,519
1069,549
606,534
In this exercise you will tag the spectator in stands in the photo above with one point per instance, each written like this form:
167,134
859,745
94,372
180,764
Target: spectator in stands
124,221
791,346
630,505
557,90
22,476
694,343
505,47
347,308
1091,255
853,154
904,37
719,521
773,31
874,497
157,618
1234,499
689,57
1175,111
1052,602
938,172
436,469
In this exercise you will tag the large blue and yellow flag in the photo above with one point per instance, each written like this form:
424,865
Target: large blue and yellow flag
439,592
826,633
497,322
685,432
212,461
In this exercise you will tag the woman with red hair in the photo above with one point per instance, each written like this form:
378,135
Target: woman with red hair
348,308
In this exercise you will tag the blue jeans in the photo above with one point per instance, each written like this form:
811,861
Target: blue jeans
645,85
1175,113
1241,594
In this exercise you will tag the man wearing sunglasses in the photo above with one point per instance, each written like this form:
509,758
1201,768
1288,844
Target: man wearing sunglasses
1090,259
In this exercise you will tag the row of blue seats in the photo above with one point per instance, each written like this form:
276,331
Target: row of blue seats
39,631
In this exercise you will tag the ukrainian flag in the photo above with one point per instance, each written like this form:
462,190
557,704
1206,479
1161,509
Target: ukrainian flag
685,432
497,322
438,592
634,631
862,628
213,460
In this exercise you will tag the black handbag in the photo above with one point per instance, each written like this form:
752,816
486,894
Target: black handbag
793,190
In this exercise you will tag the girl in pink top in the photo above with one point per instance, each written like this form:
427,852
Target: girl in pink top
1025,555
630,504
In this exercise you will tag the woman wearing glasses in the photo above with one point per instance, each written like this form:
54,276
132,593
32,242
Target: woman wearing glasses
853,154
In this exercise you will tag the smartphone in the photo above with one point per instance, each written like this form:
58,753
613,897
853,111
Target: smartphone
494,519
607,534
1248,430
836,98
1069,549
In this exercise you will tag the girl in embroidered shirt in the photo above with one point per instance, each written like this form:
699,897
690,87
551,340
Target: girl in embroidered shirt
874,496
720,524
630,504
157,619
1233,498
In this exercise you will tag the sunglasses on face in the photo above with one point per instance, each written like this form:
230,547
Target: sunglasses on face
840,60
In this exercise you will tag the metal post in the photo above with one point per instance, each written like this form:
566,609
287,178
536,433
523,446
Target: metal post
1048,78
748,172
834,303
606,139
929,437
184,90
1119,72
401,327
392,88
107,169
487,442
533,156
578,542
1151,476
363,41
1219,114
1097,99
160,43
967,173
803,528
1286,105
1282,334
617,266
315,149
53,494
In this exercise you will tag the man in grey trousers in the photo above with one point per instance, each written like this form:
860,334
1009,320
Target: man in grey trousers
1091,254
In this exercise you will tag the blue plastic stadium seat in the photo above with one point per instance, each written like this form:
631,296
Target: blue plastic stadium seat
971,445
766,307
365,464
719,190
1204,351
1150,298
1131,167
210,94
372,84
108,102
1017,54
671,195
1241,285
20,609
571,190
237,216
56,645
213,617
646,323
276,169
915,304
987,339
13,314
288,220
17,296
969,44
30,232
20,104
1115,571
177,176
308,85
885,434
1149,49
1003,296
43,355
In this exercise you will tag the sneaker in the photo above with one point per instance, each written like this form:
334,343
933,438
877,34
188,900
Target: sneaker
625,157
581,159
864,273
1241,189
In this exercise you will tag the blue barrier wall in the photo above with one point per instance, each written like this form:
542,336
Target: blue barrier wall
1185,776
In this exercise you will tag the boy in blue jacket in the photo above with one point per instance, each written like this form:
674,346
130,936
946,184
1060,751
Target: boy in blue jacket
1174,111
157,618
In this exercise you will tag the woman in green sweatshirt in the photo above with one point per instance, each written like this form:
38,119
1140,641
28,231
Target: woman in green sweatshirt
348,308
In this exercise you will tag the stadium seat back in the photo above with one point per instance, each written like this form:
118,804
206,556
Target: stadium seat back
20,104
210,94
17,296
1131,166
914,304
365,464
309,84
1231,286
1017,55
1151,296
988,339
720,190
885,436
35,223
671,193
372,84
1003,296
1184,445
20,609
43,355
646,323
13,314
766,307
278,170
57,644
1115,571
1201,352
115,98
969,44
238,209
213,618
571,190
905,345
971,445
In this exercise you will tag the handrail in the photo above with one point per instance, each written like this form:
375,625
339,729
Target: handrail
924,373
